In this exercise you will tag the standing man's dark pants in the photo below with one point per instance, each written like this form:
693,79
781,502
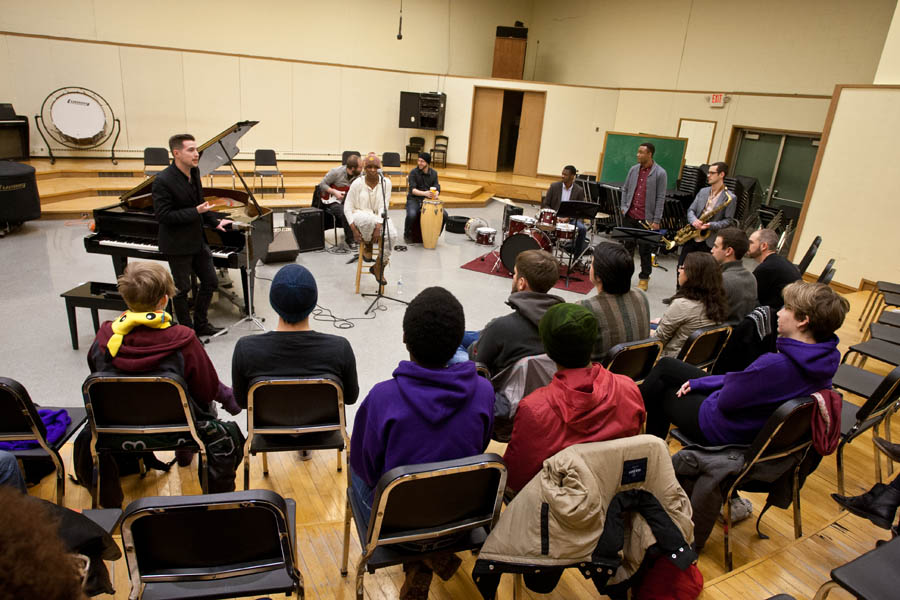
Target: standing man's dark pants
182,266
644,249
687,248
336,210
664,407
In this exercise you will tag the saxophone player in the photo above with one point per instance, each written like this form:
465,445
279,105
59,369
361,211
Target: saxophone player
707,200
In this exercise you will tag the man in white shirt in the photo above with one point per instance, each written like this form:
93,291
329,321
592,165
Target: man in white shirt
365,205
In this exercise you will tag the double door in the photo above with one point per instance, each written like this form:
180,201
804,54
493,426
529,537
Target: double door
488,119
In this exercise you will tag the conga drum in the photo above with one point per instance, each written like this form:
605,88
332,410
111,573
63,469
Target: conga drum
432,219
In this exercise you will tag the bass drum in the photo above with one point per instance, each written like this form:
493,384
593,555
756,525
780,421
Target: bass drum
530,239
473,225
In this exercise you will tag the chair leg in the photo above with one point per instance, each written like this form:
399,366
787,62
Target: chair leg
839,457
359,265
142,468
348,514
203,465
824,590
729,563
868,301
798,521
877,453
60,476
360,573
340,464
887,436
95,481
265,464
247,472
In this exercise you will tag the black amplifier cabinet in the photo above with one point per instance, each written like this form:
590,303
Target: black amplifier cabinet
422,110
307,224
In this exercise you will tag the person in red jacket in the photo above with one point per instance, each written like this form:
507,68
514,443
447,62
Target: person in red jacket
583,403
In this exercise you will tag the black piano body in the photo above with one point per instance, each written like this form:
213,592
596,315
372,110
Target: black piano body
129,229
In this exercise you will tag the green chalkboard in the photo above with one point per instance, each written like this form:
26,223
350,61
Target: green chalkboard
620,154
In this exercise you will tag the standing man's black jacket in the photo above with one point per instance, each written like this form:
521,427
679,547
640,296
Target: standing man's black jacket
175,199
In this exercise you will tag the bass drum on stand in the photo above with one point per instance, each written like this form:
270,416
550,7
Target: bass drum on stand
530,239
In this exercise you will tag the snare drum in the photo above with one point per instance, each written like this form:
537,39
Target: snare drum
565,231
546,219
485,236
519,223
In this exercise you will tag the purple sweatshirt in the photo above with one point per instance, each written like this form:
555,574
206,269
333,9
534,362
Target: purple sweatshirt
421,415
739,403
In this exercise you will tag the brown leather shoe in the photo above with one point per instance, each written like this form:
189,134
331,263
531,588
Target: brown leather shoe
367,250
444,565
379,272
643,284
417,582
891,450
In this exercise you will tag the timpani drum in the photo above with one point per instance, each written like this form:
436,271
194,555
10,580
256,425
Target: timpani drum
486,236
432,219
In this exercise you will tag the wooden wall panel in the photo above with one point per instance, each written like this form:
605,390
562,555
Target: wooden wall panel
530,126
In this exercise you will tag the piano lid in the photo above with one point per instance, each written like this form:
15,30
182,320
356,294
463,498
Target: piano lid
212,155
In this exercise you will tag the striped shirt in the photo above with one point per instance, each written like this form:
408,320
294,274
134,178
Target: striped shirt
621,318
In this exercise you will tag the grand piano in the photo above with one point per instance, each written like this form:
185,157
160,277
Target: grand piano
129,229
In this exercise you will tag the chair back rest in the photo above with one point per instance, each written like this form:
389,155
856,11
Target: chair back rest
787,430
297,405
828,268
810,254
347,154
417,141
703,346
19,419
633,359
826,277
882,399
211,536
441,142
152,402
156,157
432,500
390,159
265,158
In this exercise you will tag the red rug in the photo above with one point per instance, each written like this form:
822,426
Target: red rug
578,282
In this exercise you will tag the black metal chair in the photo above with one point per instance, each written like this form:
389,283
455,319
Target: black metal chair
286,413
391,160
423,510
634,359
874,575
227,545
881,350
155,157
439,152
347,154
120,407
415,145
882,395
20,421
265,164
787,432
825,273
882,296
810,255
703,346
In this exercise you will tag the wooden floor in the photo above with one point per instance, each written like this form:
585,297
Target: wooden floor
763,567
72,188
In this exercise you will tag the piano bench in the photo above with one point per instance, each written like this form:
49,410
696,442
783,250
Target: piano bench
93,295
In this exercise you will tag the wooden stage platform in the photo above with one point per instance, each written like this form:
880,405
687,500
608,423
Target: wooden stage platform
74,187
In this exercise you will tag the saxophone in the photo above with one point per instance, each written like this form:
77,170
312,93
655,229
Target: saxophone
687,233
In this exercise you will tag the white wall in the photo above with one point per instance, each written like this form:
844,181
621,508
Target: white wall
852,206
800,46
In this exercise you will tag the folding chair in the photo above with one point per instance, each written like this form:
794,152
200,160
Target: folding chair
392,159
824,274
347,154
285,413
787,432
211,546
703,346
882,395
263,159
634,359
414,147
439,152
423,510
873,575
810,255
120,407
20,421
155,157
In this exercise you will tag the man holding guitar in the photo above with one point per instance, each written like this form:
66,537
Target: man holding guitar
332,190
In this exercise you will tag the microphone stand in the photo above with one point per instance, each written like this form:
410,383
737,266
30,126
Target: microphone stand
380,261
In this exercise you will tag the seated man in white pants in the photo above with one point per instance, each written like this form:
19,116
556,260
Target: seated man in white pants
364,207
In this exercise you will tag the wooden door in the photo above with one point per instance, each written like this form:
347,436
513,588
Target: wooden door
530,126
484,132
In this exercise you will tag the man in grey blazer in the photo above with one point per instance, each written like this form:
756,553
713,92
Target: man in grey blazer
643,200
565,190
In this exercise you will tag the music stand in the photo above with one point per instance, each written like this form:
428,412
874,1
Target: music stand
577,210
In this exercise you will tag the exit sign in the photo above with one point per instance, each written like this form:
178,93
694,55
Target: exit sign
717,100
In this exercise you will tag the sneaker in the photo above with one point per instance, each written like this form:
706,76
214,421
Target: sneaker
643,284
304,454
741,508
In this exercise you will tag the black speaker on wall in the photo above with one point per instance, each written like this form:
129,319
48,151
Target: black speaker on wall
422,110
307,224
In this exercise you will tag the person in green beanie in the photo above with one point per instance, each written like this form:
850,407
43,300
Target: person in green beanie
583,403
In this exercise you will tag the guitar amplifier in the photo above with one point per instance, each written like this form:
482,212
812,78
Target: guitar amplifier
308,227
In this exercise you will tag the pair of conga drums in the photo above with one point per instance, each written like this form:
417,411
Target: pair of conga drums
432,218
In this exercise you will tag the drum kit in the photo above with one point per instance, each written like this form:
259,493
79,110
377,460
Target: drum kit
542,232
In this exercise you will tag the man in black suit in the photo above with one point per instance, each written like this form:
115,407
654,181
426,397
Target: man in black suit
565,190
182,212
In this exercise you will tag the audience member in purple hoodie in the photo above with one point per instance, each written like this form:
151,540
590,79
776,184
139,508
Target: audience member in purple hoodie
427,412
732,408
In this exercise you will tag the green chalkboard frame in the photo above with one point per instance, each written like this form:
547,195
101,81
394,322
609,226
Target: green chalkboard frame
668,155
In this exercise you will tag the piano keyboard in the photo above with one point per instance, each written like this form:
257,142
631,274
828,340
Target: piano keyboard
145,247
